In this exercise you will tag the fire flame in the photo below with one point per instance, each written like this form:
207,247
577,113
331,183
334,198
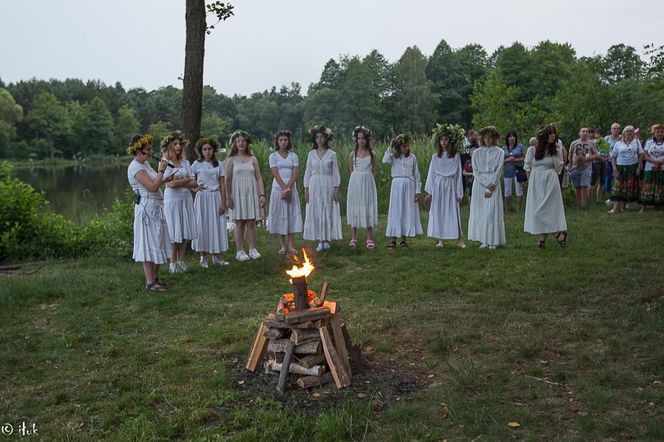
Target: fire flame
303,271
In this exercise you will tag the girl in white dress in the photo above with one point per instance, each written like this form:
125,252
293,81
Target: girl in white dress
486,223
152,246
322,220
362,198
545,212
178,203
403,216
444,185
245,193
285,216
209,206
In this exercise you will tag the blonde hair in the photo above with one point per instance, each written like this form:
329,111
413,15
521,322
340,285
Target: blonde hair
532,141
628,127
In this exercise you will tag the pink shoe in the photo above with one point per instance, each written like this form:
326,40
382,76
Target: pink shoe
352,243
370,244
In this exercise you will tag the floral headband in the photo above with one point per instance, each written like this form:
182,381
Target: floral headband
239,133
175,135
453,132
139,144
365,130
323,130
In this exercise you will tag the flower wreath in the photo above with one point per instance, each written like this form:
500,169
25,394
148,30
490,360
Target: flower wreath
321,129
239,133
139,144
400,140
453,132
175,135
363,129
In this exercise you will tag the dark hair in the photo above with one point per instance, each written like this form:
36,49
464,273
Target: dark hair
199,148
511,133
237,134
398,141
367,136
451,148
543,146
283,133
597,129
319,130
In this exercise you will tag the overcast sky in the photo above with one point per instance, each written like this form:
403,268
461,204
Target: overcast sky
271,43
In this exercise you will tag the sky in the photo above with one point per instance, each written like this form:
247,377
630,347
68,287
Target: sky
140,43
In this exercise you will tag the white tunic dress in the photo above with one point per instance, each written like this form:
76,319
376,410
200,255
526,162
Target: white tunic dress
244,189
179,206
284,217
545,212
362,198
486,223
211,236
445,185
403,216
322,221
151,240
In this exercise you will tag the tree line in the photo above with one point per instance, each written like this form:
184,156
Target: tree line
515,87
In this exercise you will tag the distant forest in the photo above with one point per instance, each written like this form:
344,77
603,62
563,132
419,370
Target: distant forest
515,87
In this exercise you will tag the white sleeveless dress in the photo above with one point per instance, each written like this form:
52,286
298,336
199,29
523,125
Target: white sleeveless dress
362,198
179,207
211,235
284,217
245,192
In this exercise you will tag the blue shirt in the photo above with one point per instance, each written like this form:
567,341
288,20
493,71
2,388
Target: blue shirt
509,169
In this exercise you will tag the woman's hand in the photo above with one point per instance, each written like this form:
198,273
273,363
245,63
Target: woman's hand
222,209
488,194
336,195
261,200
427,198
459,200
286,195
167,179
491,187
306,195
417,197
230,203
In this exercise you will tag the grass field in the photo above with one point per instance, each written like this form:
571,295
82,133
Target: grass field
565,342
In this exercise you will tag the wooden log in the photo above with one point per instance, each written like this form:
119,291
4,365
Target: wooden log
281,345
285,366
323,294
310,361
302,335
354,349
314,381
310,314
272,323
274,333
334,308
294,368
339,342
257,349
335,364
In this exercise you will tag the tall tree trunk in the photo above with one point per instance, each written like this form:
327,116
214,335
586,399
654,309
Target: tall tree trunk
192,91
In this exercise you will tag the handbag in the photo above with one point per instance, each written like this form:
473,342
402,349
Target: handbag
521,175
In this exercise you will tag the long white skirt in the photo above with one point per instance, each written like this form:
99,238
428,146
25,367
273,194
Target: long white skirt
362,200
322,221
486,223
284,216
545,212
151,240
211,236
444,217
403,216
179,212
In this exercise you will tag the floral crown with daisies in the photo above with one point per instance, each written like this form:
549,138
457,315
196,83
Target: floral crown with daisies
139,144
175,135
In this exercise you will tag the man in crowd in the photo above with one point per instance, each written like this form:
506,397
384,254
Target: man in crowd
600,166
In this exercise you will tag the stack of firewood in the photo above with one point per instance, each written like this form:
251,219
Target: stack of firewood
310,347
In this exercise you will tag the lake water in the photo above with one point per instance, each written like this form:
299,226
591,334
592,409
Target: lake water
79,192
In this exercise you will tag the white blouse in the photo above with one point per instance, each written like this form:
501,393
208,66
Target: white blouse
655,151
404,167
322,167
207,175
627,154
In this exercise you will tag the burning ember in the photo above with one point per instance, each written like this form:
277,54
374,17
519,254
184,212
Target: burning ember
301,272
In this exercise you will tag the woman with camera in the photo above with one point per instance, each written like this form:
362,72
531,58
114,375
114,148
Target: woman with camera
152,245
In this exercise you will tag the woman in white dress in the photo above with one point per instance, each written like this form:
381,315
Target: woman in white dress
209,206
362,198
285,215
444,185
245,193
403,215
486,223
152,246
178,203
545,212
322,220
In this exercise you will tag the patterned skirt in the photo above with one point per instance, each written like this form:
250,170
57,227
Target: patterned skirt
627,188
652,188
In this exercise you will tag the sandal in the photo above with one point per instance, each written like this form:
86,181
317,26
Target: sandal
155,287
161,282
540,244
562,242
352,243
403,244
282,251
392,244
370,244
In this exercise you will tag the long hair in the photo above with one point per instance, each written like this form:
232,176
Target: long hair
234,136
450,149
511,133
199,149
543,147
283,133
325,131
367,137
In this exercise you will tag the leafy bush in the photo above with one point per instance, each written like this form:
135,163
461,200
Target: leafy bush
111,234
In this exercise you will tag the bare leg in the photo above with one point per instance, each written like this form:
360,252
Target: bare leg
251,233
353,234
175,249
239,234
149,271
291,241
282,242
369,233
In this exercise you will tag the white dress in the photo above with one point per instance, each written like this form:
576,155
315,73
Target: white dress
151,240
211,236
403,215
445,185
362,198
244,189
179,206
486,223
284,217
545,212
322,220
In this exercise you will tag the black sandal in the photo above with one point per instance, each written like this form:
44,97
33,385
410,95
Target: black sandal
403,244
155,287
562,242
392,245
540,244
161,282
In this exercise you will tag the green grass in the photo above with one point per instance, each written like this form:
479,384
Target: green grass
568,343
